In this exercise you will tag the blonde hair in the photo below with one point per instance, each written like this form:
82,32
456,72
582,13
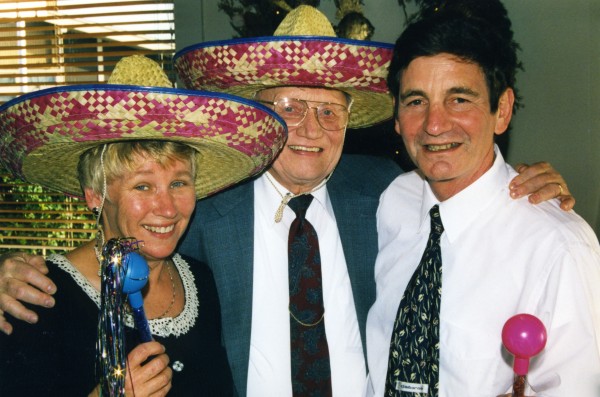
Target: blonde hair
119,157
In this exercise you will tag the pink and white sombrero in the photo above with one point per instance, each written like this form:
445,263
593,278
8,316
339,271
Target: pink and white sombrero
303,52
42,134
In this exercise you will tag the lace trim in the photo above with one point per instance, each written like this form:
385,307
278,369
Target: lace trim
163,327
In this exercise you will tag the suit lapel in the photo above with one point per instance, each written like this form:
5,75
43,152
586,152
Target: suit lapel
355,217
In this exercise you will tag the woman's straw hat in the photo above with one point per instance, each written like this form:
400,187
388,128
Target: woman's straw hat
303,52
44,133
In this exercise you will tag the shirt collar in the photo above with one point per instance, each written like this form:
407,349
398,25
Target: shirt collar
462,209
274,191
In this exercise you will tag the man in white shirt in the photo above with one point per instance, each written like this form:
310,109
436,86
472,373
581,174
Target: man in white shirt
453,77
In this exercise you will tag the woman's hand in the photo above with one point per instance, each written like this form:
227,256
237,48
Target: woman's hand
148,371
144,380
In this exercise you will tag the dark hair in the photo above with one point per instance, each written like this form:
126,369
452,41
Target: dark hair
467,36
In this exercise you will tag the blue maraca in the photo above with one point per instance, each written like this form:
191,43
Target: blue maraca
136,272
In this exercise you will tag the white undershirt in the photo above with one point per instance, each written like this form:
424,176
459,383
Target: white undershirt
269,372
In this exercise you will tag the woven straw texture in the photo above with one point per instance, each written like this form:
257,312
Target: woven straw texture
139,70
305,21
43,134
244,67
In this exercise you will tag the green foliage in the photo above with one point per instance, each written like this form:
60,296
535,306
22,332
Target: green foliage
252,18
31,216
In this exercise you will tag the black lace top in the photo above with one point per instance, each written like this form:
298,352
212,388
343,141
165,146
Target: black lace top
56,357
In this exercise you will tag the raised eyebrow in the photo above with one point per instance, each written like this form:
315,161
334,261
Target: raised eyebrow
184,174
411,93
463,91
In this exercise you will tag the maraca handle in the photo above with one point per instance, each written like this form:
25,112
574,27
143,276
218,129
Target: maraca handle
519,386
141,323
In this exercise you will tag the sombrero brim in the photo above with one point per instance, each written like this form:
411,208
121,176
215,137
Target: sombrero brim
44,133
245,66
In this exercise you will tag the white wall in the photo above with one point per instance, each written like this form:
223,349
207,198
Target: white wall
561,89
560,85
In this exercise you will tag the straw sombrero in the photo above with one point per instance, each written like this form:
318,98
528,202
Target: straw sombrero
303,52
42,134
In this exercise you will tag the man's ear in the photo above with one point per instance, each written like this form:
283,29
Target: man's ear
504,112
92,198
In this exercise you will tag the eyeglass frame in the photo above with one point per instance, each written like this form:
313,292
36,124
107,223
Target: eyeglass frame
316,108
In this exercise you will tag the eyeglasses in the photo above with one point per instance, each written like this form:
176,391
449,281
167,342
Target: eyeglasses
331,116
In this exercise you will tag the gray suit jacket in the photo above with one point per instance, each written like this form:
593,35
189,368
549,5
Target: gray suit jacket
221,235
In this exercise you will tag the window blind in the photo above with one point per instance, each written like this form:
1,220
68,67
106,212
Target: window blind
38,220
61,42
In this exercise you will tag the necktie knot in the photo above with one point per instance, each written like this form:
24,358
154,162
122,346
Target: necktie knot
300,204
437,227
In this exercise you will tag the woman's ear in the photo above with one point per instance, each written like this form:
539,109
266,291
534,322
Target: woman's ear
505,109
93,199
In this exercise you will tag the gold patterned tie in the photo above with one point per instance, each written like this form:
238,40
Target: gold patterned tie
415,346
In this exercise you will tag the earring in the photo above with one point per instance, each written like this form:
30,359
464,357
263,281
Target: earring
96,211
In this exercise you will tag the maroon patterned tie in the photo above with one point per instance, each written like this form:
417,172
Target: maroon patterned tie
311,373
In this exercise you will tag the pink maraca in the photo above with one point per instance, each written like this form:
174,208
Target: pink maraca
524,336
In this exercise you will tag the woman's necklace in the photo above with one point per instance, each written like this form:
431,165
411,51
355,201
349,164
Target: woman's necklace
100,242
168,265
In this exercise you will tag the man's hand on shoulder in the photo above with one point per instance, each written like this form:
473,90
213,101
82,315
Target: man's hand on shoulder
22,279
541,182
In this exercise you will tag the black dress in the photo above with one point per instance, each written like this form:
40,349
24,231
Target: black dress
56,357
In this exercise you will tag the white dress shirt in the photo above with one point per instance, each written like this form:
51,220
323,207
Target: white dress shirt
269,372
500,257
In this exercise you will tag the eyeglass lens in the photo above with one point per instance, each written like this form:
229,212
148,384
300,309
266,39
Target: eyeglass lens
331,116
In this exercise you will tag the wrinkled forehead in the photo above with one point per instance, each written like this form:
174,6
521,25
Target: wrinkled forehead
441,71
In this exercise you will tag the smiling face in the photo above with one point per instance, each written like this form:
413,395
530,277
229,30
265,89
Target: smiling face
311,153
151,202
445,120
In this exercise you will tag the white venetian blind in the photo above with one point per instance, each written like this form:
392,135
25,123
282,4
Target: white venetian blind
62,42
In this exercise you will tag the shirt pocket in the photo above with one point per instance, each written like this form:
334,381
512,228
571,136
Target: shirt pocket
473,361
